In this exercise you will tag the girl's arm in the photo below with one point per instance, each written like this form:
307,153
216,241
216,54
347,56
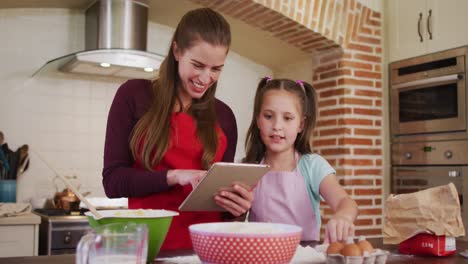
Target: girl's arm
345,209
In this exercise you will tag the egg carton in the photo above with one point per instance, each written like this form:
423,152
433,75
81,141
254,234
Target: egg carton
377,257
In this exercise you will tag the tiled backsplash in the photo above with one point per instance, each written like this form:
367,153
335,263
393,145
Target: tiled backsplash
64,116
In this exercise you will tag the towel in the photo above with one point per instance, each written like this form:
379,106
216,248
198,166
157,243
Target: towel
14,209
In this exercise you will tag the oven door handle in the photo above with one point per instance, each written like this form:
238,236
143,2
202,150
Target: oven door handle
447,78
410,170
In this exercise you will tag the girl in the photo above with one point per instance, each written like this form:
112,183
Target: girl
279,135
162,135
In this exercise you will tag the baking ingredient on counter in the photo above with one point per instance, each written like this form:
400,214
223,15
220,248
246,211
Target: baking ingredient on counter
308,255
428,245
362,252
335,248
365,245
350,249
137,213
245,228
435,211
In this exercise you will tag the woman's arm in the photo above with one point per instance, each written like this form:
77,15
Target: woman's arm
340,226
120,179
227,122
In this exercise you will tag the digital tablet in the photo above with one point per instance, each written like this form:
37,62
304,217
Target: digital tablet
221,175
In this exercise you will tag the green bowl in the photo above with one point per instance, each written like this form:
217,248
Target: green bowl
158,222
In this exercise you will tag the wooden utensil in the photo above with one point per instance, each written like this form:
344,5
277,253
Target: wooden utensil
93,210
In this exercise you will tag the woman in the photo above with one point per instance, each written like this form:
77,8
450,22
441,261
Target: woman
163,135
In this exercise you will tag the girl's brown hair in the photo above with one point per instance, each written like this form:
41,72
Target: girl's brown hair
254,146
203,24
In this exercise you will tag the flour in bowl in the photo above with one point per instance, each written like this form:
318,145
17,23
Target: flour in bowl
246,228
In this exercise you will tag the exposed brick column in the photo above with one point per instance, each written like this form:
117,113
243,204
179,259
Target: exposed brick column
349,129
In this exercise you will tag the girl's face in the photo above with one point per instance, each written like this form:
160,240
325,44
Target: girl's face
280,120
199,67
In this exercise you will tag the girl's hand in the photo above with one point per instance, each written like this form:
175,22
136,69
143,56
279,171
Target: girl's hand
338,229
236,201
185,177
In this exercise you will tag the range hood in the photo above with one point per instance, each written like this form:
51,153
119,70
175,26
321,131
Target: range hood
115,43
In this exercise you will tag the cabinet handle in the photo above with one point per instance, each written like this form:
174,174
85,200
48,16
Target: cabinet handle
429,20
419,28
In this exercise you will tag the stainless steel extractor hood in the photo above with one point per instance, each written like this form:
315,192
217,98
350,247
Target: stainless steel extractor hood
115,43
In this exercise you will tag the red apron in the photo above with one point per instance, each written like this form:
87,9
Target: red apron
184,152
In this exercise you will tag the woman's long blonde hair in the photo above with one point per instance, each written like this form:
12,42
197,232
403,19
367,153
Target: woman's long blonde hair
254,146
203,24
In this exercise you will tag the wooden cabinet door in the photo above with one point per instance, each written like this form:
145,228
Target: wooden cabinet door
448,24
403,17
18,240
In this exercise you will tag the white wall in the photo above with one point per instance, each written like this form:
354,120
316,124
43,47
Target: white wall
376,5
300,70
64,116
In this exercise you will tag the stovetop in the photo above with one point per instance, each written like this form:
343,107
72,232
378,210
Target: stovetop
60,215
60,212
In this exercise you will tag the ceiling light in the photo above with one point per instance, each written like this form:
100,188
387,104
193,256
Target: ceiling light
148,69
105,64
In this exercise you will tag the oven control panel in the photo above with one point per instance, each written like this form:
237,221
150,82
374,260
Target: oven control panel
430,153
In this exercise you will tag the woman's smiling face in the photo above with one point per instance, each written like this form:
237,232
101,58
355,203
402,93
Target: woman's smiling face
199,68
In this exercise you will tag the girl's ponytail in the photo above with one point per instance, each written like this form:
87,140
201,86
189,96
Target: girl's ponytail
311,103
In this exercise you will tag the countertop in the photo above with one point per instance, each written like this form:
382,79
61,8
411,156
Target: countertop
394,257
26,219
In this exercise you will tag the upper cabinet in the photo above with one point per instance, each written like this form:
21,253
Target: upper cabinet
418,27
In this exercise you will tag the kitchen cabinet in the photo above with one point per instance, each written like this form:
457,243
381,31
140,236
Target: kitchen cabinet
19,235
419,27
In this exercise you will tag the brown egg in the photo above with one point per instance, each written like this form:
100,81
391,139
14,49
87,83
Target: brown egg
350,249
365,245
335,248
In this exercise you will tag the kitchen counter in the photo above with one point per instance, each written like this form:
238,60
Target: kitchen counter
26,219
394,257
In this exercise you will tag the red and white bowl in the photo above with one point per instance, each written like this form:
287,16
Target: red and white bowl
242,242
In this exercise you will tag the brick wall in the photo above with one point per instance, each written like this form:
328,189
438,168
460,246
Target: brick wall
345,38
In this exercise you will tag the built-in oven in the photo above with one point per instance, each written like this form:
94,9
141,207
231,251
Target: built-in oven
429,123
429,96
408,179
417,166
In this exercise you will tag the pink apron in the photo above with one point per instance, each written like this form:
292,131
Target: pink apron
281,197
